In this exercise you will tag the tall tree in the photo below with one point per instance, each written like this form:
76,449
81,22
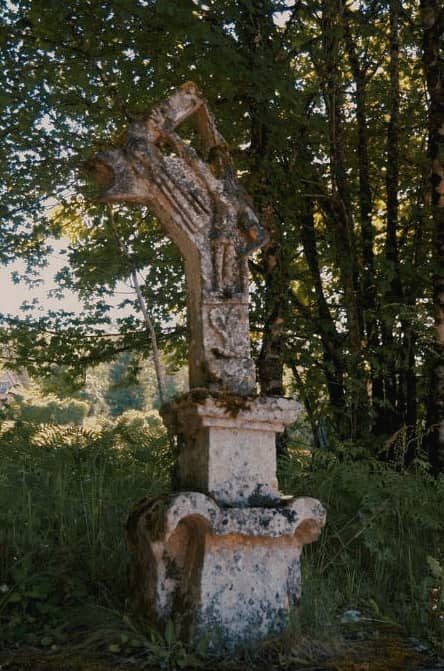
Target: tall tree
323,106
433,59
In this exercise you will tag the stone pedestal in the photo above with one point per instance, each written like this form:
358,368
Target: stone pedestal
229,574
222,560
227,446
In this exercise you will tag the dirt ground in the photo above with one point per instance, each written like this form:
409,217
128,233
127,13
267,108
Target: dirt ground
386,654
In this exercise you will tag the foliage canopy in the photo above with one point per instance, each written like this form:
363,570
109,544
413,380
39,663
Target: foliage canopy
326,107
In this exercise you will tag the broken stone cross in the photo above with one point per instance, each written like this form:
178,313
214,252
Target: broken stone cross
222,557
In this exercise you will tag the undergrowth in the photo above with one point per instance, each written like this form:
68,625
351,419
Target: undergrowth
380,558
65,493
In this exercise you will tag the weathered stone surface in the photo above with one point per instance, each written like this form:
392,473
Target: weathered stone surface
231,457
223,559
205,211
229,573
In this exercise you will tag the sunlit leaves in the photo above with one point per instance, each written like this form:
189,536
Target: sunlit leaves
75,75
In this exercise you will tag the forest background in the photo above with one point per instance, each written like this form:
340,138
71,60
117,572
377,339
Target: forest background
334,114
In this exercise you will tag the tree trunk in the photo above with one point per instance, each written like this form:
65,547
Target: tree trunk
369,291
271,361
151,332
390,415
342,210
433,61
257,38
331,341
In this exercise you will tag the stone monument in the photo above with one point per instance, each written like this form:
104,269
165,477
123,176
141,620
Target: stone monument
221,557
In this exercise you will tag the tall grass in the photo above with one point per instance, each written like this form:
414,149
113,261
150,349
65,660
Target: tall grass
381,555
65,493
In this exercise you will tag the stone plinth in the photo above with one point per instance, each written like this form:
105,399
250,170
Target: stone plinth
230,574
227,446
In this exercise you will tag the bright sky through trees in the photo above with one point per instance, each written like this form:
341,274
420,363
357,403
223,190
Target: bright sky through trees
13,295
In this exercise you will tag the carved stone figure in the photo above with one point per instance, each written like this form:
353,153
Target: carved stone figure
206,212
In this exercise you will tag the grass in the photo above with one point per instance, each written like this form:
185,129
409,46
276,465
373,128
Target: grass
382,552
65,493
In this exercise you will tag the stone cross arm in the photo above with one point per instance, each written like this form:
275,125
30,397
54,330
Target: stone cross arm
195,195
204,209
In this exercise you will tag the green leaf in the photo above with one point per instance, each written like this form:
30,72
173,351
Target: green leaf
170,634
15,597
435,567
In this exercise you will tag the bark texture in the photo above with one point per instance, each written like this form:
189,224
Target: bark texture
433,60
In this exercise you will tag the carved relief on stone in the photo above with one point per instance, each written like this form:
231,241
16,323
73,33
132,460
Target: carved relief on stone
204,209
211,559
234,235
223,322
226,347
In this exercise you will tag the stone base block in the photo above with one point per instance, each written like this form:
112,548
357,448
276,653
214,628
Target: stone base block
227,446
230,574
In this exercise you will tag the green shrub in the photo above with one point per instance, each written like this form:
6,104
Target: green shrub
39,410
